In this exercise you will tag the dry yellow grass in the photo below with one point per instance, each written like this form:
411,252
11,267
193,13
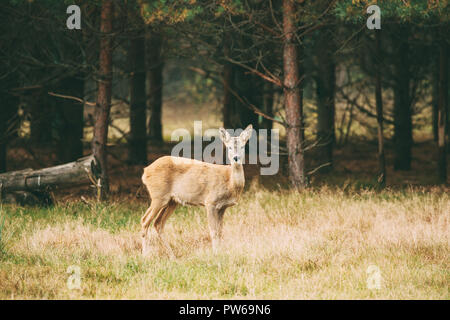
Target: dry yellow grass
277,245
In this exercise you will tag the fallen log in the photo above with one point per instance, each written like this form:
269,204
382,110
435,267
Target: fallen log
83,171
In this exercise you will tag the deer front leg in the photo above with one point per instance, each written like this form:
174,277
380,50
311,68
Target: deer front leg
151,214
145,230
215,222
159,227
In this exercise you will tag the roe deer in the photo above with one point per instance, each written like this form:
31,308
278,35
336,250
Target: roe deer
174,180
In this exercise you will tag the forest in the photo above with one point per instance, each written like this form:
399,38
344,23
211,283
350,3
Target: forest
92,92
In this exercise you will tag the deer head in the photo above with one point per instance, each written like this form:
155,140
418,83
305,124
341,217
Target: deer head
236,145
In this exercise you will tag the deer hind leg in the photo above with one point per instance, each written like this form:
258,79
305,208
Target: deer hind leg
160,222
152,212
215,223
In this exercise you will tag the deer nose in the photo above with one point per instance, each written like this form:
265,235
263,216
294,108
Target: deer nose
236,158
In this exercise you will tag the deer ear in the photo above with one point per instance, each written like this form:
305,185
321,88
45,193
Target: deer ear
246,134
224,135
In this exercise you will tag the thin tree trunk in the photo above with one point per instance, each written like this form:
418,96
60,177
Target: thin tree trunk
379,107
268,105
435,97
8,112
3,146
293,108
155,65
9,109
138,128
41,118
228,98
442,112
228,81
70,144
103,106
402,109
236,112
326,82
301,73
249,88
3,140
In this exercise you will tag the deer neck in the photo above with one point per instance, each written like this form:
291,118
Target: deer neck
237,178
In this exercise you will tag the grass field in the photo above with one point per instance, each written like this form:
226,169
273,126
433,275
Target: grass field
328,242
322,243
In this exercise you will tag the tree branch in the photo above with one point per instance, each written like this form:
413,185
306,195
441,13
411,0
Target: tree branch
275,81
73,98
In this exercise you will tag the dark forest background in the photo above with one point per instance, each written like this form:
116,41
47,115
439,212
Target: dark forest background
347,99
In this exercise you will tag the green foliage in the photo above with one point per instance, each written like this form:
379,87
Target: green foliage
169,12
419,11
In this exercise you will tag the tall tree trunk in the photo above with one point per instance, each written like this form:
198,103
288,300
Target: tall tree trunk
402,108
228,85
268,105
236,111
3,142
294,112
240,89
435,96
249,88
137,153
228,98
301,74
9,106
103,106
155,65
70,130
443,108
41,118
3,149
379,107
325,84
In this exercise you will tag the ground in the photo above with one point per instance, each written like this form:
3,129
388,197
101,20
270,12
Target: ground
278,244
341,238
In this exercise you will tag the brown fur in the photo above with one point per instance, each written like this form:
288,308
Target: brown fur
173,180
